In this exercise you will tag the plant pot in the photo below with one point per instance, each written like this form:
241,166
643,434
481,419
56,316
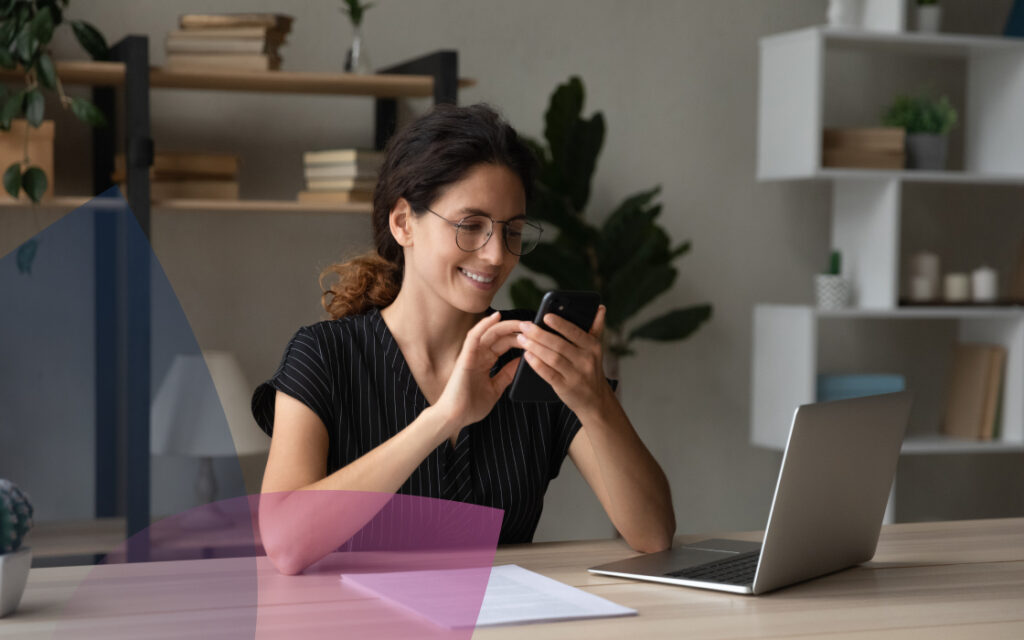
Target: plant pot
14,568
831,291
929,18
927,151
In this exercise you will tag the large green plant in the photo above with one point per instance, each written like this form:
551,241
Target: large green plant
627,259
26,29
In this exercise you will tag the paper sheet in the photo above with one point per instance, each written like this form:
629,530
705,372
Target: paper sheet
514,595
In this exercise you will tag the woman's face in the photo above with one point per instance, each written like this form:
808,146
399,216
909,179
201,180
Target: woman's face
466,280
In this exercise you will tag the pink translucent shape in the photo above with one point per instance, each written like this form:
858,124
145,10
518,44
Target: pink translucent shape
208,574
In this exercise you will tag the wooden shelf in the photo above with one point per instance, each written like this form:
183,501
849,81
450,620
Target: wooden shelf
241,206
89,72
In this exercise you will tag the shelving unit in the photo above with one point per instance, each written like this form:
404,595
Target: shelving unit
867,208
122,270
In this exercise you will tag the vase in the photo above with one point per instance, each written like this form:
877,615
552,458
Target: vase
356,60
14,568
831,291
929,18
844,14
927,151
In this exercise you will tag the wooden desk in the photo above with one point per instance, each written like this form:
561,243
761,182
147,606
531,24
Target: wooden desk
947,580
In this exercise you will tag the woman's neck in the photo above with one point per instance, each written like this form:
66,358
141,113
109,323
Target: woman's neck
428,329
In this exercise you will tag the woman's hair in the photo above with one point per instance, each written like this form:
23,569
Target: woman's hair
420,162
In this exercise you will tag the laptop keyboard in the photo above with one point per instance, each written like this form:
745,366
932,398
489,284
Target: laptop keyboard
738,569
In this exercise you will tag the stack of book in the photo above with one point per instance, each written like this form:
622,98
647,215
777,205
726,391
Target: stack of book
870,148
176,174
975,388
340,175
246,41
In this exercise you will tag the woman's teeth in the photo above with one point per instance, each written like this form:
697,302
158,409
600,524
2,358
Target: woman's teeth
476,277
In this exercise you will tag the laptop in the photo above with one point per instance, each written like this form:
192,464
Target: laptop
826,514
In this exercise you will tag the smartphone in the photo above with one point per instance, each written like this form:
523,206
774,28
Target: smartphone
578,307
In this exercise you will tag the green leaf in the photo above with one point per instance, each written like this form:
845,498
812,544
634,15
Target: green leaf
47,71
34,181
566,267
625,231
631,290
585,142
680,250
88,113
12,179
563,112
25,44
42,26
674,325
90,39
526,294
7,60
35,106
26,255
11,110
7,30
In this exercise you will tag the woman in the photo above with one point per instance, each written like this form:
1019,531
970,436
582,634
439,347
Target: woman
401,392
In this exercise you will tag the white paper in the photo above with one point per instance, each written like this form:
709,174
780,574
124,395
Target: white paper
514,595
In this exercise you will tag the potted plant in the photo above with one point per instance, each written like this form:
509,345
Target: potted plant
927,122
832,290
627,259
929,16
15,560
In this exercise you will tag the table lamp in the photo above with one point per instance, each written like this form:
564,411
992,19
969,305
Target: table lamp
188,414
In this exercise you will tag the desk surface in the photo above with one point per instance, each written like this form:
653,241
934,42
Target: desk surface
960,579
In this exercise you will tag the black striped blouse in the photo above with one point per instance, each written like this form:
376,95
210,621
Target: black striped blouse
353,375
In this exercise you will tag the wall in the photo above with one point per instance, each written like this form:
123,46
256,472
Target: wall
677,83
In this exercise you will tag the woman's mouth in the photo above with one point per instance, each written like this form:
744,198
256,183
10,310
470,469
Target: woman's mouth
479,280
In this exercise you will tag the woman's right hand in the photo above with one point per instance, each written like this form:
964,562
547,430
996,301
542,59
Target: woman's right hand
471,392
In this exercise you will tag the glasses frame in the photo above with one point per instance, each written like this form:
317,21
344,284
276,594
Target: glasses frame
504,231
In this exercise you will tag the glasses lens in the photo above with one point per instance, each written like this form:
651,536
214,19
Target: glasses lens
522,236
473,232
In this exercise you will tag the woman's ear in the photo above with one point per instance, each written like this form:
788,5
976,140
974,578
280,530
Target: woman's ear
400,221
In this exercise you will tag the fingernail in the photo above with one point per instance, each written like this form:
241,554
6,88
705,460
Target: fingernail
521,339
496,314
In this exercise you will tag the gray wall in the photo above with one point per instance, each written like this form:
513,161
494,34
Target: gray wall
677,83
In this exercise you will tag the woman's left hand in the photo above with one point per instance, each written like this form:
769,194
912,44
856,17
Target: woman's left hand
572,365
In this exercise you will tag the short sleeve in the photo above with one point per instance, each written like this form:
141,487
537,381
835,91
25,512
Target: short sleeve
302,374
565,425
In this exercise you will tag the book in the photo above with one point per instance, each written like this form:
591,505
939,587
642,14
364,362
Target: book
839,386
341,184
364,157
218,45
171,165
191,189
221,20
339,170
335,196
868,138
862,159
993,394
247,61
970,398
234,33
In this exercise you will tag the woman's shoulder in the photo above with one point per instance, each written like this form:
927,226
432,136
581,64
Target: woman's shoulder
334,333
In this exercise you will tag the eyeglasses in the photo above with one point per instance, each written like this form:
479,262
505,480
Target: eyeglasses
472,232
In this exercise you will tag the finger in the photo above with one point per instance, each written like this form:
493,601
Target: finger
474,334
499,330
544,370
533,333
503,344
506,375
549,356
597,330
570,331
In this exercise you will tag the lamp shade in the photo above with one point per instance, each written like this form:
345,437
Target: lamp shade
202,409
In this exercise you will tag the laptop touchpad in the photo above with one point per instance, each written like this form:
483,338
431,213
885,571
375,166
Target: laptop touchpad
665,561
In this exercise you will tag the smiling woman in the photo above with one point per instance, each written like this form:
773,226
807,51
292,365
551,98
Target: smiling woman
404,389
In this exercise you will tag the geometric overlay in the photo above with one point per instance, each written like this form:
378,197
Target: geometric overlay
238,593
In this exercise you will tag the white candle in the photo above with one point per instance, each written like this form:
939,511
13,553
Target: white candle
957,287
925,264
984,284
922,288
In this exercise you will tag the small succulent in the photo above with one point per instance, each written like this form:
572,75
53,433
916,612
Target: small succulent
15,516
921,114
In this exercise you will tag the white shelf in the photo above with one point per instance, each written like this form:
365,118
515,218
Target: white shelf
936,45
907,175
784,372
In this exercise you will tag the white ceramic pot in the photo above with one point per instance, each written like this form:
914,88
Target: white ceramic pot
929,18
832,292
14,568
844,14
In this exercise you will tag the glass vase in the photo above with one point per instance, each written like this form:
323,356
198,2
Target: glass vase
356,60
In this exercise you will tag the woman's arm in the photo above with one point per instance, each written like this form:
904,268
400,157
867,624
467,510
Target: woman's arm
626,478
607,450
298,529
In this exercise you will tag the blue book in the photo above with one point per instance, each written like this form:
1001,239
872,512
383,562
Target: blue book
1015,23
840,386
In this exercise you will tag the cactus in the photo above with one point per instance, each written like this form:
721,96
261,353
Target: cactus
15,516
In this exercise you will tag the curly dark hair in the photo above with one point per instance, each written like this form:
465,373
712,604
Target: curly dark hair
432,152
